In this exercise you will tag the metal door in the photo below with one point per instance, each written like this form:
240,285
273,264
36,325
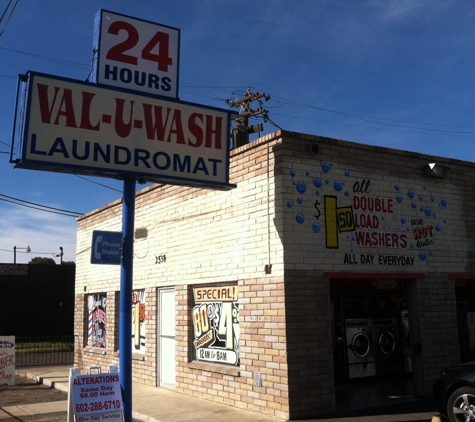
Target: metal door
166,337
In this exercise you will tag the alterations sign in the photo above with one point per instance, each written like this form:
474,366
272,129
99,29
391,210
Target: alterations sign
96,397
78,127
136,54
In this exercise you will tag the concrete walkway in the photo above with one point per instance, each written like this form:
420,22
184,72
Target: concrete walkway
154,404
32,409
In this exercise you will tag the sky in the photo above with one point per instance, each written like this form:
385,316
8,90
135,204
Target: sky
392,73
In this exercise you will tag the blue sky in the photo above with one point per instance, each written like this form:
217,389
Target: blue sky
394,73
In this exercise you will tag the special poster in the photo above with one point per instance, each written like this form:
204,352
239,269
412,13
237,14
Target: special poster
215,317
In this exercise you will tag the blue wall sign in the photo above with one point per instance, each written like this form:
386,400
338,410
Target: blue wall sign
106,247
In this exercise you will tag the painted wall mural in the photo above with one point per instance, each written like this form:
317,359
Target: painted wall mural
215,317
350,214
97,320
138,321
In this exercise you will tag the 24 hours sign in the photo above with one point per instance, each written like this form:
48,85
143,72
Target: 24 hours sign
136,54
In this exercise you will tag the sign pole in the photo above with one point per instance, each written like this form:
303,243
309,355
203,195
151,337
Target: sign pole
126,282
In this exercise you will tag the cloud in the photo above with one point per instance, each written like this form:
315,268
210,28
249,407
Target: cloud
43,232
408,11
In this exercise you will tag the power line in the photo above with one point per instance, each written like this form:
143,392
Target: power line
97,183
11,13
374,121
369,119
240,90
39,56
39,207
5,11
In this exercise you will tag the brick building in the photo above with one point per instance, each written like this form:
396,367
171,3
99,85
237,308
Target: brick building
330,262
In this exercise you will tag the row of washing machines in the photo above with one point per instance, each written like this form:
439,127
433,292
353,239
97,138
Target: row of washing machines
377,347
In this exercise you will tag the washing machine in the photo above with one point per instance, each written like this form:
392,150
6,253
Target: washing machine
360,348
387,347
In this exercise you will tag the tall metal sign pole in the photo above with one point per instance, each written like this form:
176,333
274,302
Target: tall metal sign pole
129,124
126,286
114,66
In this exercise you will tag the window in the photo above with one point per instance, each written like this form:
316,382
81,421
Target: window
97,320
215,318
138,321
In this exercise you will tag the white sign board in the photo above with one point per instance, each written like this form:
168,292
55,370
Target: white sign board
7,360
78,127
96,394
136,54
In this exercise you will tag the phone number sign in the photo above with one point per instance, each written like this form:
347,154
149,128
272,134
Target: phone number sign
136,54
96,394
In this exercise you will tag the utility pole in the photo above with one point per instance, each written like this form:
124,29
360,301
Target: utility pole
27,249
241,131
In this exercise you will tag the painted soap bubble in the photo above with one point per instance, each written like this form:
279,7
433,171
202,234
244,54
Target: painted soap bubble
293,173
326,167
338,185
301,187
410,194
316,227
290,204
318,183
300,218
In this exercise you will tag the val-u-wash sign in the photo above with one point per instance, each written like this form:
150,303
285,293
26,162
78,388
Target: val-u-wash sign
129,125
84,128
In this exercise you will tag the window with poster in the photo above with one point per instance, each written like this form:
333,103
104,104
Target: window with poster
215,316
97,320
139,329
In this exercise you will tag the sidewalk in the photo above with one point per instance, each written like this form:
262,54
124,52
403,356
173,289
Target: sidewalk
155,404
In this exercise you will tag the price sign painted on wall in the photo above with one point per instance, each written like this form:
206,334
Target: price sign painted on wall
136,54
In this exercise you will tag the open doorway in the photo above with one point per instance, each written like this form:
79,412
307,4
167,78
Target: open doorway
371,340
